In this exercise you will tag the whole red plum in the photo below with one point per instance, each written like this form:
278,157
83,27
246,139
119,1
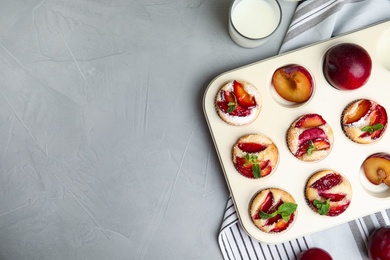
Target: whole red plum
347,66
314,253
379,244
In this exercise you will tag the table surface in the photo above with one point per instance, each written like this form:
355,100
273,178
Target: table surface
106,153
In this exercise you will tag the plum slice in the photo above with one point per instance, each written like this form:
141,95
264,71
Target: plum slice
377,123
243,98
311,134
332,196
252,147
327,182
377,168
310,121
282,225
382,121
312,145
279,223
233,110
267,204
363,109
337,210
245,167
293,83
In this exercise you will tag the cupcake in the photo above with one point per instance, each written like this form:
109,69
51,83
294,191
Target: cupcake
273,210
238,103
255,156
310,138
328,193
364,121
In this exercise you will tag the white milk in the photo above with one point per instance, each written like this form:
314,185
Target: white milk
254,18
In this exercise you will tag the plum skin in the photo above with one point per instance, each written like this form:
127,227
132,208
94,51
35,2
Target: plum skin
314,253
347,66
379,244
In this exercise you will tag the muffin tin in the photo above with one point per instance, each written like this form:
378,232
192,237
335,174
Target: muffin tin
275,117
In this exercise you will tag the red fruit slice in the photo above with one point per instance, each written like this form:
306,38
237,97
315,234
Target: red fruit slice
377,116
303,149
332,196
382,119
267,204
282,225
363,109
243,97
238,111
266,170
274,207
251,147
244,167
273,220
318,144
337,210
327,182
321,144
229,96
309,121
311,134
383,114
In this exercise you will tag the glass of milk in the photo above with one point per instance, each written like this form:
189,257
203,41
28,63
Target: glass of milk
251,22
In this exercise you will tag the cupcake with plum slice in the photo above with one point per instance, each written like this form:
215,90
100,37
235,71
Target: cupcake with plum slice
310,138
273,210
255,156
328,193
364,121
238,102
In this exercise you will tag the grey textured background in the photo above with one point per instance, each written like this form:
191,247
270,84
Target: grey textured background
104,149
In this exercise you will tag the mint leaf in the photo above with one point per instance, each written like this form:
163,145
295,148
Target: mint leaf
231,107
285,210
256,170
367,129
322,206
377,127
252,159
264,215
372,128
311,148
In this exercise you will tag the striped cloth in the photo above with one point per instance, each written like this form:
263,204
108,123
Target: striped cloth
236,244
313,21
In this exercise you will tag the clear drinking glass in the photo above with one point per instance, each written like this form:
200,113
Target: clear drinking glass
251,22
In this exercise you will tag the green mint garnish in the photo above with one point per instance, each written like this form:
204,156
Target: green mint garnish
372,128
322,206
256,170
231,107
252,159
285,210
311,148
264,215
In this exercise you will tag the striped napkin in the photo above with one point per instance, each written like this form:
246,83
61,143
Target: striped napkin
313,21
